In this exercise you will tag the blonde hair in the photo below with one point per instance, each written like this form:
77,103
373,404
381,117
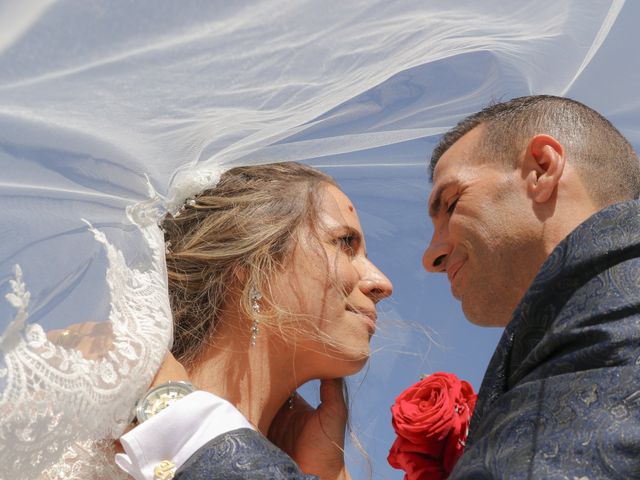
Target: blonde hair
246,224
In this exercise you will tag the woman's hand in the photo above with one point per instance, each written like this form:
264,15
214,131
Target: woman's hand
314,438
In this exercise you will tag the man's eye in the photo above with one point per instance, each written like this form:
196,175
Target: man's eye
452,207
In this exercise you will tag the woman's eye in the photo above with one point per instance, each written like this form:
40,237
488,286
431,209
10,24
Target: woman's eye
452,207
348,243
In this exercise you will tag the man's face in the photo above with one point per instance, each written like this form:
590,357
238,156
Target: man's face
486,238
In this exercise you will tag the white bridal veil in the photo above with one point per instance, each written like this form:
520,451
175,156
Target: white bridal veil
113,112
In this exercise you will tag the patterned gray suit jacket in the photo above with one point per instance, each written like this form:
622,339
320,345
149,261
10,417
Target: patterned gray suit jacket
561,396
241,454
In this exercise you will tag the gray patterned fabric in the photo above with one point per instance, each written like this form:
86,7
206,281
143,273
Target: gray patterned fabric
561,396
240,455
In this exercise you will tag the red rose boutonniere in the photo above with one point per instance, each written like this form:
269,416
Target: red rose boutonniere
431,419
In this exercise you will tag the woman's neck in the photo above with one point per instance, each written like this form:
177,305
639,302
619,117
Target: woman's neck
257,380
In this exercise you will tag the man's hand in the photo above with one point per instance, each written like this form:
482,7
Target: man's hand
170,371
314,438
94,340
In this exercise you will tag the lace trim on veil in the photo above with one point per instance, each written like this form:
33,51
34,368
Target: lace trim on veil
86,460
38,374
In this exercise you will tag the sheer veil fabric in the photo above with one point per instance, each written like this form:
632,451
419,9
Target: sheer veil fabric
113,113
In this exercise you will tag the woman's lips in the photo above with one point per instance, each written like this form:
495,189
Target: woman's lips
369,316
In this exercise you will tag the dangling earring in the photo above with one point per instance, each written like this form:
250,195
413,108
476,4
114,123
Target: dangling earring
255,306
291,400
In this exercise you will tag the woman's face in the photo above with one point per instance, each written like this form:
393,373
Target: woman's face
331,290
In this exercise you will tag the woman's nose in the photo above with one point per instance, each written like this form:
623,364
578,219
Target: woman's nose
375,284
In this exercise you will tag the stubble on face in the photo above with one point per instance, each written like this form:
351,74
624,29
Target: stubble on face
492,229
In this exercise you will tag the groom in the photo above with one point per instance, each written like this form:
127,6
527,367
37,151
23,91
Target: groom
537,226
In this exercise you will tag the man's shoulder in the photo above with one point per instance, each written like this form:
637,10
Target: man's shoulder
561,392
590,274
240,454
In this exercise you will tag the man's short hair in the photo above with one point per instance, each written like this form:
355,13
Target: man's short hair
603,158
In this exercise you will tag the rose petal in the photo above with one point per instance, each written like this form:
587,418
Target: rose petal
432,449
431,419
415,466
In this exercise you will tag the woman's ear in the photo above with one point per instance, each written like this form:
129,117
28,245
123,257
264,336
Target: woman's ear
545,160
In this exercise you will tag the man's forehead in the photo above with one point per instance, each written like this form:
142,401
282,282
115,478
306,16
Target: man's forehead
460,153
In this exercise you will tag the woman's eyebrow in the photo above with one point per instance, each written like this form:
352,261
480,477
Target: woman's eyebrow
346,229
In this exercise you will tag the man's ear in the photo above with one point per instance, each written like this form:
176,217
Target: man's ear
545,160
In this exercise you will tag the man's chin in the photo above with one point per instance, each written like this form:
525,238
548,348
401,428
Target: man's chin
490,317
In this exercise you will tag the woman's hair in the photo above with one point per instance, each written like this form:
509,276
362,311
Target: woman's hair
241,228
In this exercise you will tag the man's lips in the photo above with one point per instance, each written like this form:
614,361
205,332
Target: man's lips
453,269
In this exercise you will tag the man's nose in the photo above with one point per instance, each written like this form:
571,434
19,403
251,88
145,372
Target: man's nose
434,258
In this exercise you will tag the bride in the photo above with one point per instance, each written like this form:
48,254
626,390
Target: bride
270,287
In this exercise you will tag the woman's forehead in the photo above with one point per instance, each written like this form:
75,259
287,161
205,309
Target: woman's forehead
336,209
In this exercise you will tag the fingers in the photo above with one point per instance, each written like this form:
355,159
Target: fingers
332,396
92,339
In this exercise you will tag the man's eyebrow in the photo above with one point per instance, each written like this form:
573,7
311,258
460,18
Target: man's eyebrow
436,204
